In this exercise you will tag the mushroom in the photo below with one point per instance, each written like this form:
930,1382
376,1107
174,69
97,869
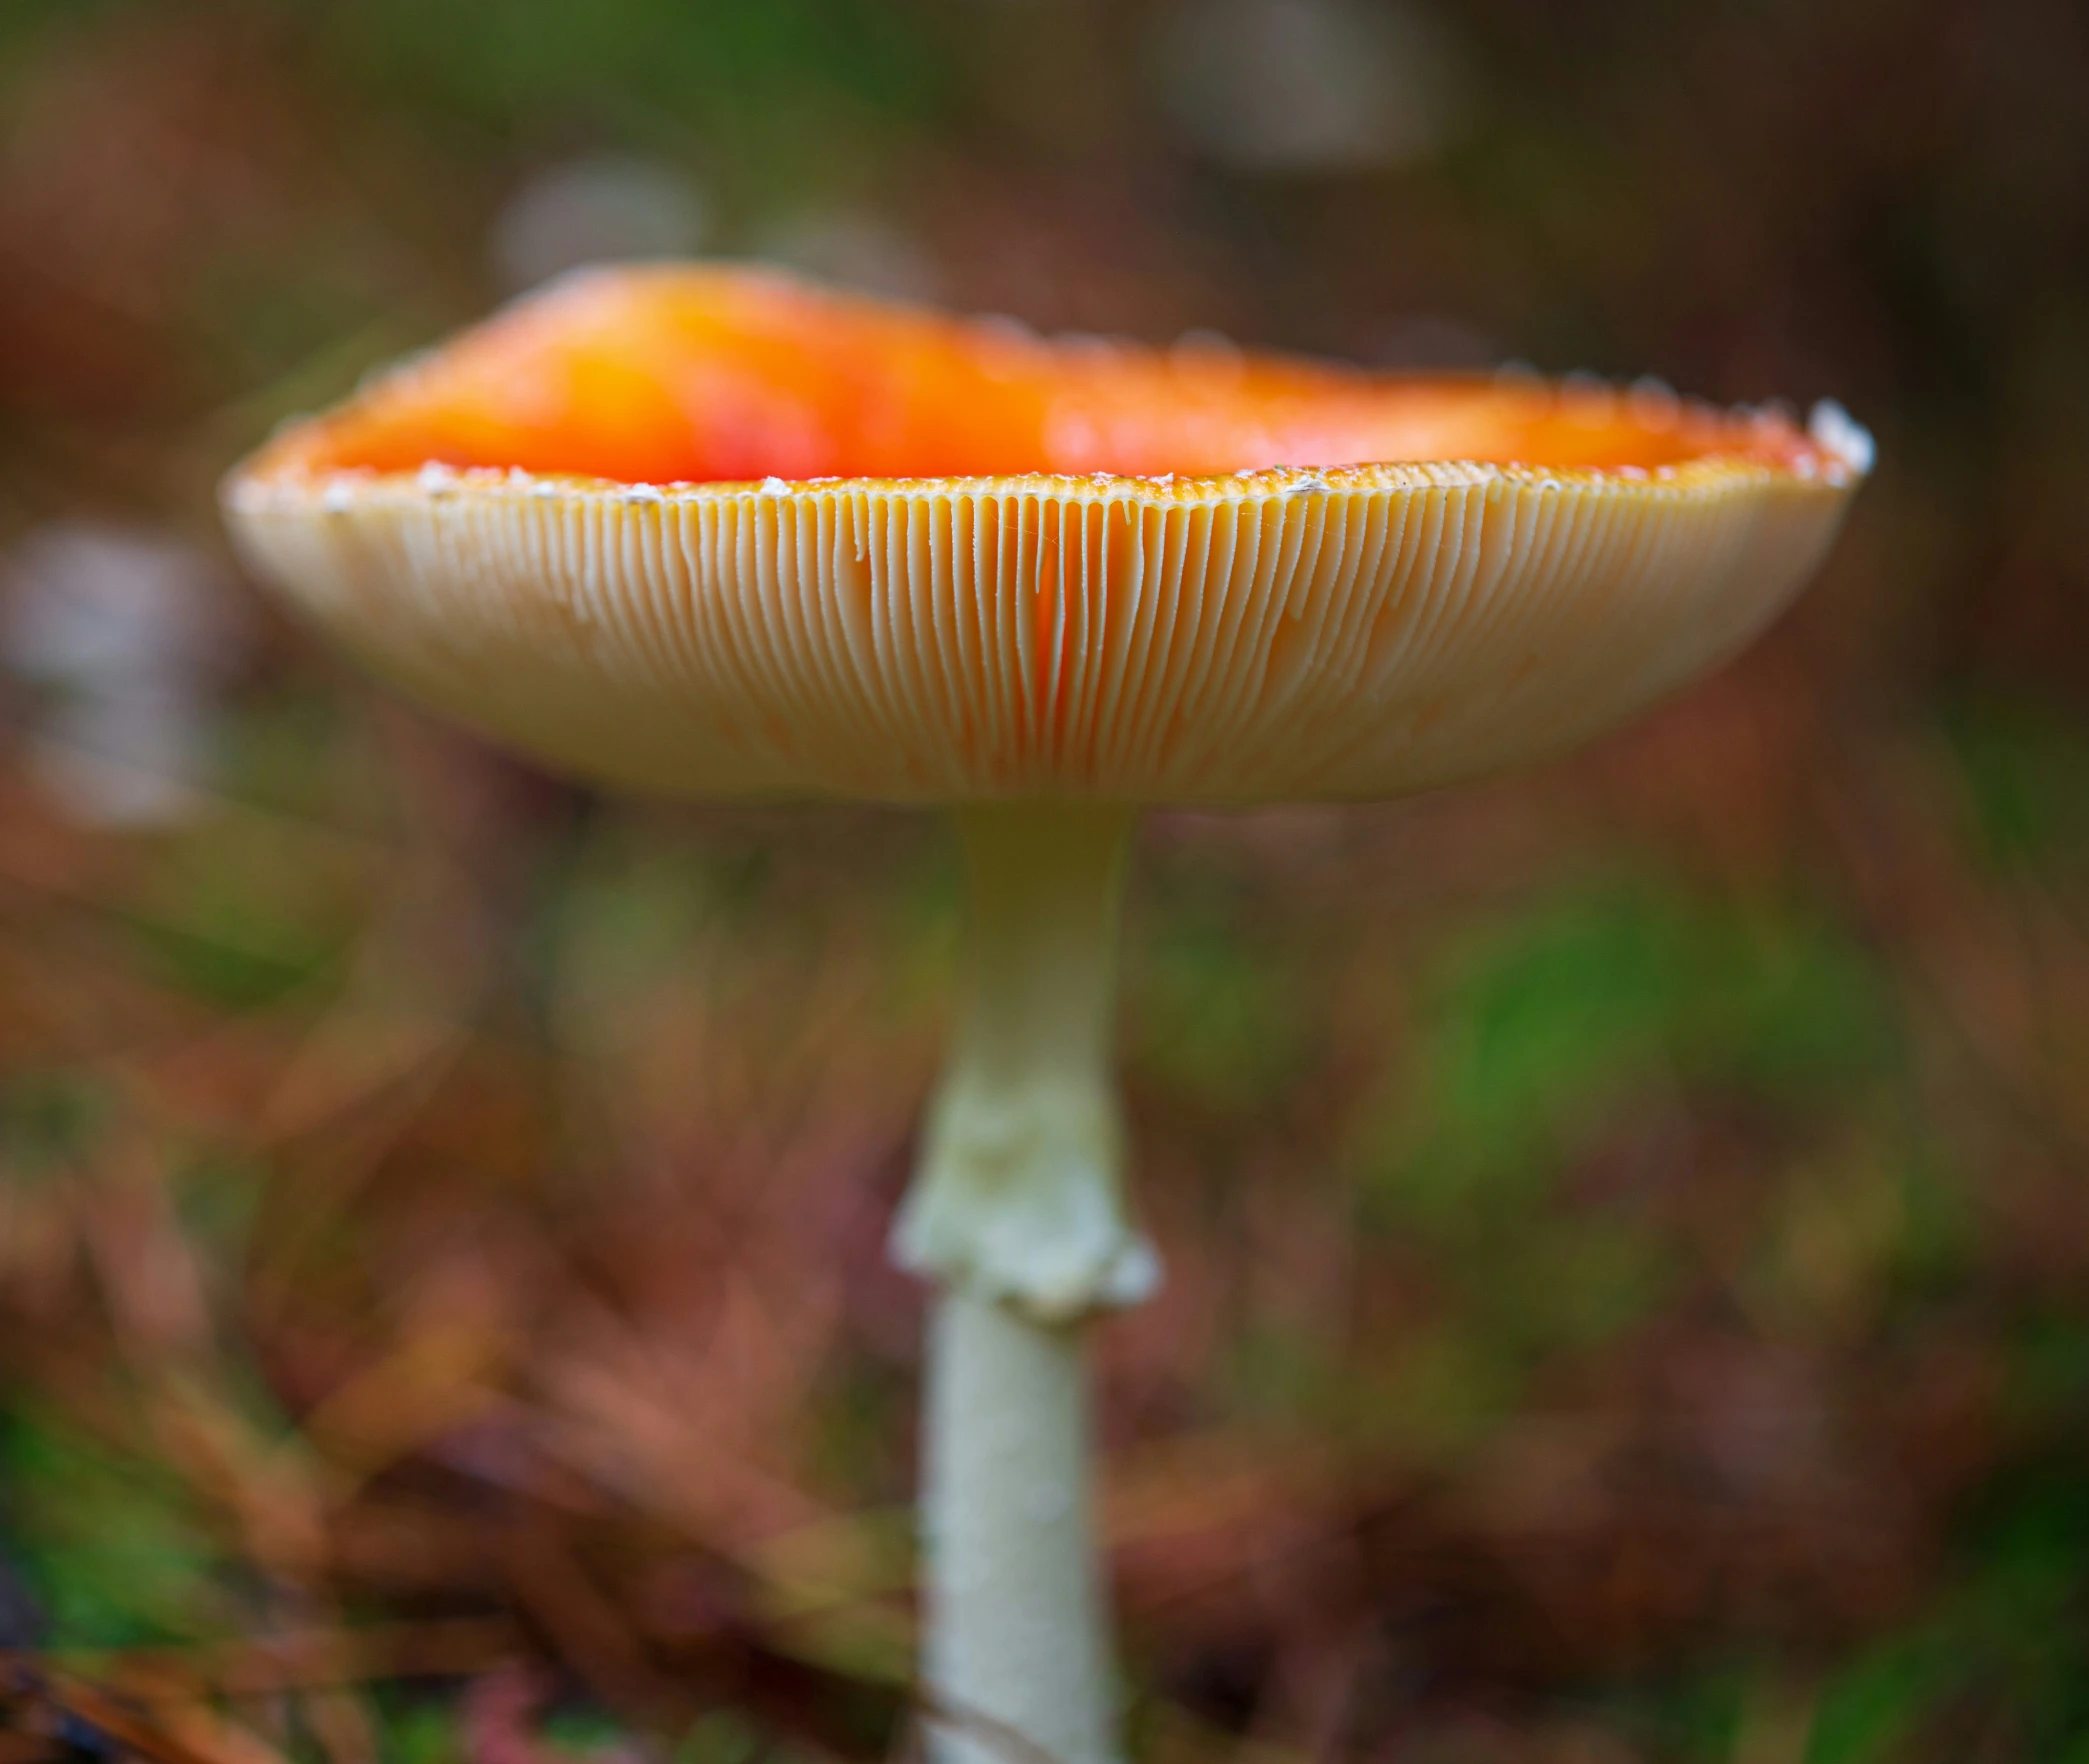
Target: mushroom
713,531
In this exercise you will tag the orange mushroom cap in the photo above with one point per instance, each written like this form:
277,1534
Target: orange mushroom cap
716,532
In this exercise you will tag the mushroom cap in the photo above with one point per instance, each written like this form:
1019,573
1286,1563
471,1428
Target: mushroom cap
713,531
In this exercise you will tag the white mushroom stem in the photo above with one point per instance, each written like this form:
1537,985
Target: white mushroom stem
1018,1211
1016,1654
1020,1191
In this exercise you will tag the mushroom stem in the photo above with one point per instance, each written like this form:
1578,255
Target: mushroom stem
1017,1652
1020,1191
1018,1211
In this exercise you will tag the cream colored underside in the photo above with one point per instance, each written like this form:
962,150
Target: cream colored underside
1368,633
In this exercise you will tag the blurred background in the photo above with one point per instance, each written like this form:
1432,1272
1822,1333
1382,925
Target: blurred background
1627,1234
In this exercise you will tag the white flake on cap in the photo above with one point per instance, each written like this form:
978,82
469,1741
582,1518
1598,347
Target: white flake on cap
1831,428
